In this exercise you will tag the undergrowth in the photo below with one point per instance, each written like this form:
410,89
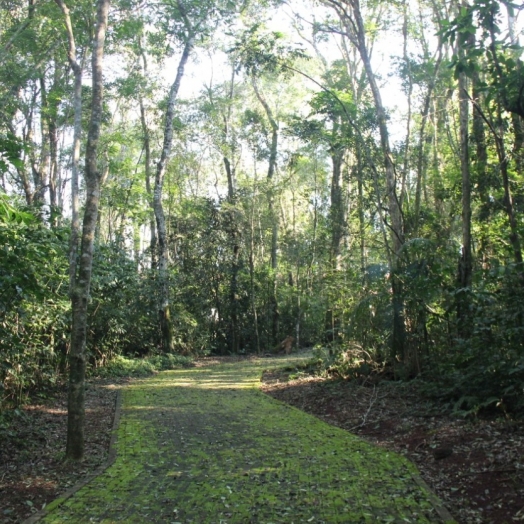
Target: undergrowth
121,366
480,386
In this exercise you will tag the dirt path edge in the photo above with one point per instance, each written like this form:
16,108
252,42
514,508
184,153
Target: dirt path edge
111,457
442,511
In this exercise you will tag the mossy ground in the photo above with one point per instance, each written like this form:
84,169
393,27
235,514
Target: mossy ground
204,445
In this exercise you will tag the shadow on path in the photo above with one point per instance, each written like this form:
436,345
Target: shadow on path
203,445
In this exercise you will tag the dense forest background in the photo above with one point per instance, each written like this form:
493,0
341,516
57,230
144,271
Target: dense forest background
348,173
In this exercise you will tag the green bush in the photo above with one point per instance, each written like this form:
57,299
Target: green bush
34,307
120,366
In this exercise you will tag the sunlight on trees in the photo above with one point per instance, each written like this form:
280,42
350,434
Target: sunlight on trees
351,176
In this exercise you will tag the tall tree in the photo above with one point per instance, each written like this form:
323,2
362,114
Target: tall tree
82,278
166,324
354,28
273,213
187,20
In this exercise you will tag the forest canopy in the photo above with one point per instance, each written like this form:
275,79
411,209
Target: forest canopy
202,177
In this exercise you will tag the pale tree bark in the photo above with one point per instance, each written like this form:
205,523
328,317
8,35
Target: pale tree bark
47,170
409,75
146,137
337,210
229,166
351,18
272,164
77,136
147,164
503,158
26,181
40,167
422,155
53,151
466,258
166,325
82,277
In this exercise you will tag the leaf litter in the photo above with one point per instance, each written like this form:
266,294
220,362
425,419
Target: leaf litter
475,466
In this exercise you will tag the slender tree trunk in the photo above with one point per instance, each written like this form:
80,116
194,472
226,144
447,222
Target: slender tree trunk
77,135
252,286
53,169
354,24
337,217
337,211
361,215
252,259
275,313
147,161
514,236
166,325
422,153
147,164
50,117
82,280
407,152
480,163
234,341
40,166
229,165
466,258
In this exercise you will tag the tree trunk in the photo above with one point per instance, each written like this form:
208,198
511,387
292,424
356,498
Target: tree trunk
466,258
480,163
166,325
518,142
514,236
252,262
361,215
82,280
77,135
407,63
357,34
234,342
147,164
337,211
337,217
422,157
234,233
274,311
40,167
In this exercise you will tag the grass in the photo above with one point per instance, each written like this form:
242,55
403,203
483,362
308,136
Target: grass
204,445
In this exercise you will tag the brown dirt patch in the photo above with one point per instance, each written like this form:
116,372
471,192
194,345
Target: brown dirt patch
32,467
475,466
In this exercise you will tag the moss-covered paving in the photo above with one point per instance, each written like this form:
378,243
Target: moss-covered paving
204,445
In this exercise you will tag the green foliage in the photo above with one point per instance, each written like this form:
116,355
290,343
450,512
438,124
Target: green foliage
487,370
10,213
260,52
121,366
34,306
477,29
122,316
10,152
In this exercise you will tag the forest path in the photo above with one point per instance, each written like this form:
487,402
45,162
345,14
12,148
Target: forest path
204,445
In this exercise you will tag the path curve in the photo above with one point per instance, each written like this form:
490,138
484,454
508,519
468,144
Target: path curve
205,446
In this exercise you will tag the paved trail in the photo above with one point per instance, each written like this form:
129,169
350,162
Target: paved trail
203,445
